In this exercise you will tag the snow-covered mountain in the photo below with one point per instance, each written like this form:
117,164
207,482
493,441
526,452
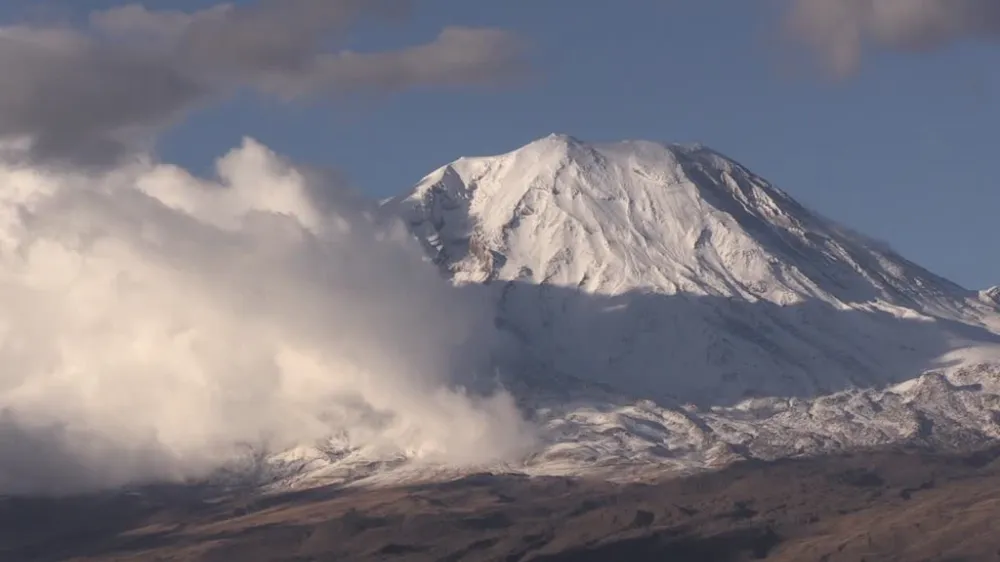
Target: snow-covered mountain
675,271
666,308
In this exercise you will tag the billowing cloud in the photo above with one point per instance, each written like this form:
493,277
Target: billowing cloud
91,95
153,324
840,30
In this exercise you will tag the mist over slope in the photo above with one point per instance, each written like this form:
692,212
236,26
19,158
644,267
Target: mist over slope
157,326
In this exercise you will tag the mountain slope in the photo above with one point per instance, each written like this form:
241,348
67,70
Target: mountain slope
678,272
664,309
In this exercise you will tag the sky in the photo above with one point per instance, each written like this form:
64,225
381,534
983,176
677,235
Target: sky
898,142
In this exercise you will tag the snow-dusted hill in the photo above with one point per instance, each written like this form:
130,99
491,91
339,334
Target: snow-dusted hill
665,308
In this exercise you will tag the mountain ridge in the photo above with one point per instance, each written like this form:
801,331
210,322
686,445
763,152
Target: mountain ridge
732,190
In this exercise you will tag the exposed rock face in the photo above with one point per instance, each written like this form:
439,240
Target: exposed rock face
992,294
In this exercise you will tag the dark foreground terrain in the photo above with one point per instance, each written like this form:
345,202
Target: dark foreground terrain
897,505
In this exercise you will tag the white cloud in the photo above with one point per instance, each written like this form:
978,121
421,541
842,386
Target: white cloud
151,322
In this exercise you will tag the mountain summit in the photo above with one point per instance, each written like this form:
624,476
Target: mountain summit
672,270
641,215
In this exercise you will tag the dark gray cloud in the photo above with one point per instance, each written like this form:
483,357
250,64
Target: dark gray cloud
80,100
90,95
840,30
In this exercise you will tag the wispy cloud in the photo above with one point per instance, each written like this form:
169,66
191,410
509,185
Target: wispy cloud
93,94
839,31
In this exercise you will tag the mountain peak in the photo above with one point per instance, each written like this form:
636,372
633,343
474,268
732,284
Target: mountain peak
690,256
553,147
644,215
558,138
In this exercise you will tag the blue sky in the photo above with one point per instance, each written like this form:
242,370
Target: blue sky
904,151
